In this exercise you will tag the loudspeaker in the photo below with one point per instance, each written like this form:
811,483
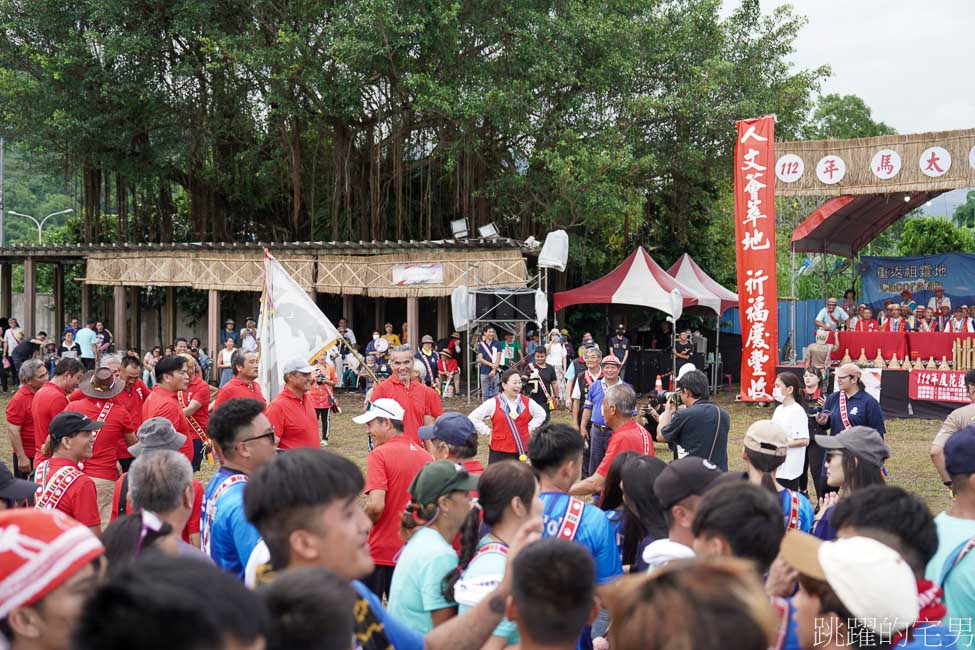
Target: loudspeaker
483,303
504,305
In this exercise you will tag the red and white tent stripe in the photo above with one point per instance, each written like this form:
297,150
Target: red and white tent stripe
710,294
637,281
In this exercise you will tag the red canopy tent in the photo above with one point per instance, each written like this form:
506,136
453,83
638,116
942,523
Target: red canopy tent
637,281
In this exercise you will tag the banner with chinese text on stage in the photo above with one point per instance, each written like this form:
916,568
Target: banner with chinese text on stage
885,277
938,386
755,247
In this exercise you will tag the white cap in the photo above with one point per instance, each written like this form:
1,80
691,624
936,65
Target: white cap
872,580
383,407
297,365
684,369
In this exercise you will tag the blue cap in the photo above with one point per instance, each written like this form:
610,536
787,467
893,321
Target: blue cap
452,428
960,452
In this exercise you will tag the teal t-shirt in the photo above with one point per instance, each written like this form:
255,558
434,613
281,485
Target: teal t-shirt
959,589
417,587
491,564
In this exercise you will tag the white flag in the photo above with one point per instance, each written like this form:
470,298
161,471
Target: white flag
291,326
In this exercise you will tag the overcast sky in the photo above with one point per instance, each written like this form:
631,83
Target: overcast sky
910,61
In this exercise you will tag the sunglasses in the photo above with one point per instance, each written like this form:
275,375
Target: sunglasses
268,434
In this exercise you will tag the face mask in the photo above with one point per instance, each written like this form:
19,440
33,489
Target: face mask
375,337
777,394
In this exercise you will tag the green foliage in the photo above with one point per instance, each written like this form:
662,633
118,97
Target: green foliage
933,235
964,214
843,117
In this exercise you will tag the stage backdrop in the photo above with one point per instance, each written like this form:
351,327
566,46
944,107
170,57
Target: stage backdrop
885,277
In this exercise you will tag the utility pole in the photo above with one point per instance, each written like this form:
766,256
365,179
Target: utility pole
2,238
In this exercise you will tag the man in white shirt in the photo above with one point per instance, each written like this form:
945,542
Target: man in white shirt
939,299
831,316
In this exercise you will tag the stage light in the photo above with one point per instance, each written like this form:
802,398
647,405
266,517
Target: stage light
488,231
459,228
907,198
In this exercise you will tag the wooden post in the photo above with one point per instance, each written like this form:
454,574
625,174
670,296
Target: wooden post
443,318
380,317
347,308
135,320
85,303
58,302
213,330
169,317
119,323
30,296
413,321
6,295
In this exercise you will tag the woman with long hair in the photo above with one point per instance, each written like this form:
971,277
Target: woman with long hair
129,537
791,416
855,460
813,400
644,518
766,448
611,497
440,500
507,498
514,417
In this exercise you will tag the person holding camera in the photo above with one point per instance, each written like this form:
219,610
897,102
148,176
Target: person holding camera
322,393
700,428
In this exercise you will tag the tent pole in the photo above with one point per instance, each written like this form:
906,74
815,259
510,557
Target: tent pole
792,308
715,370
673,362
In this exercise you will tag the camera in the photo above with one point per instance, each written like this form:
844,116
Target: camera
658,398
320,379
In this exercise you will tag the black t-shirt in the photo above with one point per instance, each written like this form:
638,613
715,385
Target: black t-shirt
536,377
684,348
693,430
25,350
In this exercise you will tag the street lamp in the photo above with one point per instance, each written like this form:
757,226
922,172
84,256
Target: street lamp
40,224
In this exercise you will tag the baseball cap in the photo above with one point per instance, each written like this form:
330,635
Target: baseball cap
684,369
766,437
452,427
849,369
14,489
863,442
610,359
872,580
683,478
960,452
157,433
297,365
438,479
68,423
43,549
383,407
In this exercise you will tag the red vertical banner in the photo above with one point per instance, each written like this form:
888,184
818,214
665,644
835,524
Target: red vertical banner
755,254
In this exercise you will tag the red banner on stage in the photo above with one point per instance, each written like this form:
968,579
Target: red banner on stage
938,386
755,246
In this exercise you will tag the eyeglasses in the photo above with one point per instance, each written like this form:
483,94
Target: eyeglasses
267,434
392,415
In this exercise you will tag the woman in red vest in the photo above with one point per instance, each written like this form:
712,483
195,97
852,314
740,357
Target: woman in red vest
513,417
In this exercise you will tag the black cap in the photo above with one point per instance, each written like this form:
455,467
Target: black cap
683,478
68,423
15,489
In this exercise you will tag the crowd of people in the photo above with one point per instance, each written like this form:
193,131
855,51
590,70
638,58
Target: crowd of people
903,315
576,534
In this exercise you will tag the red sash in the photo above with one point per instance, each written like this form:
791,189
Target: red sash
792,517
51,490
211,509
571,520
541,382
492,547
646,440
426,362
500,405
844,414
200,431
782,610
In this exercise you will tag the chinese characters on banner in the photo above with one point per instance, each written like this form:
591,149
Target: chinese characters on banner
938,385
755,246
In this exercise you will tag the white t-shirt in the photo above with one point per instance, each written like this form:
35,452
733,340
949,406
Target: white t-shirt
795,422
556,355
225,356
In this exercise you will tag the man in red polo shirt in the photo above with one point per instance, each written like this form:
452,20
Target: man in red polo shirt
135,394
291,413
20,418
244,383
195,402
61,483
420,403
171,378
101,404
390,468
52,398
618,407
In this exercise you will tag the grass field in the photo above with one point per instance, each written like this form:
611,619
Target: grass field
909,465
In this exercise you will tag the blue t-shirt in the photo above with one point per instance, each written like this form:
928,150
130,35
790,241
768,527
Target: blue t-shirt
417,587
594,400
86,341
824,528
400,636
806,514
959,588
862,409
482,353
231,537
594,533
618,345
